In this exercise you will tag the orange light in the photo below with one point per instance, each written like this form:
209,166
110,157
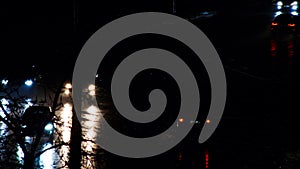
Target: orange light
291,24
274,23
208,121
180,120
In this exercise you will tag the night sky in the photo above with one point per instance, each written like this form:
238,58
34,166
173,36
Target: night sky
50,34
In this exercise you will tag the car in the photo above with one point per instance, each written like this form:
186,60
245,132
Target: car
36,117
285,23
287,5
291,5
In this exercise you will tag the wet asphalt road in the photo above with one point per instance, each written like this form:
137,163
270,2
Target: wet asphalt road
261,122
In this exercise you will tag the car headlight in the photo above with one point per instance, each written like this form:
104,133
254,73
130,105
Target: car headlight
295,7
294,13
279,3
49,127
295,3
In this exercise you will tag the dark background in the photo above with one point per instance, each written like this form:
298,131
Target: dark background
260,123
51,33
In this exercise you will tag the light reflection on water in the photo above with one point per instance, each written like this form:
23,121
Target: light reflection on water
20,154
206,159
291,49
273,49
90,127
199,159
48,158
283,48
59,157
55,157
65,117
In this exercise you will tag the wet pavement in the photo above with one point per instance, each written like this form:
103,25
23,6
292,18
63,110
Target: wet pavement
260,123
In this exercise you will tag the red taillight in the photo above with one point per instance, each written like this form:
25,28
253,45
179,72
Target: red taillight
206,159
274,23
291,24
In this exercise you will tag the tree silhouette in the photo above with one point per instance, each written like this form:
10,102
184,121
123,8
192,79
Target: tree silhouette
66,147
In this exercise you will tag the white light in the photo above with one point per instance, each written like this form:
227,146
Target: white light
28,104
4,101
67,107
28,82
278,13
4,82
294,3
294,13
92,109
67,92
47,159
295,7
66,120
91,87
279,3
28,139
20,153
279,7
2,115
92,93
49,127
68,86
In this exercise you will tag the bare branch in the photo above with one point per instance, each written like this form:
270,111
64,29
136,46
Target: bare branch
55,146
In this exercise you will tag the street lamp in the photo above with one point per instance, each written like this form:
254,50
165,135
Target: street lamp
28,82
4,82
68,86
